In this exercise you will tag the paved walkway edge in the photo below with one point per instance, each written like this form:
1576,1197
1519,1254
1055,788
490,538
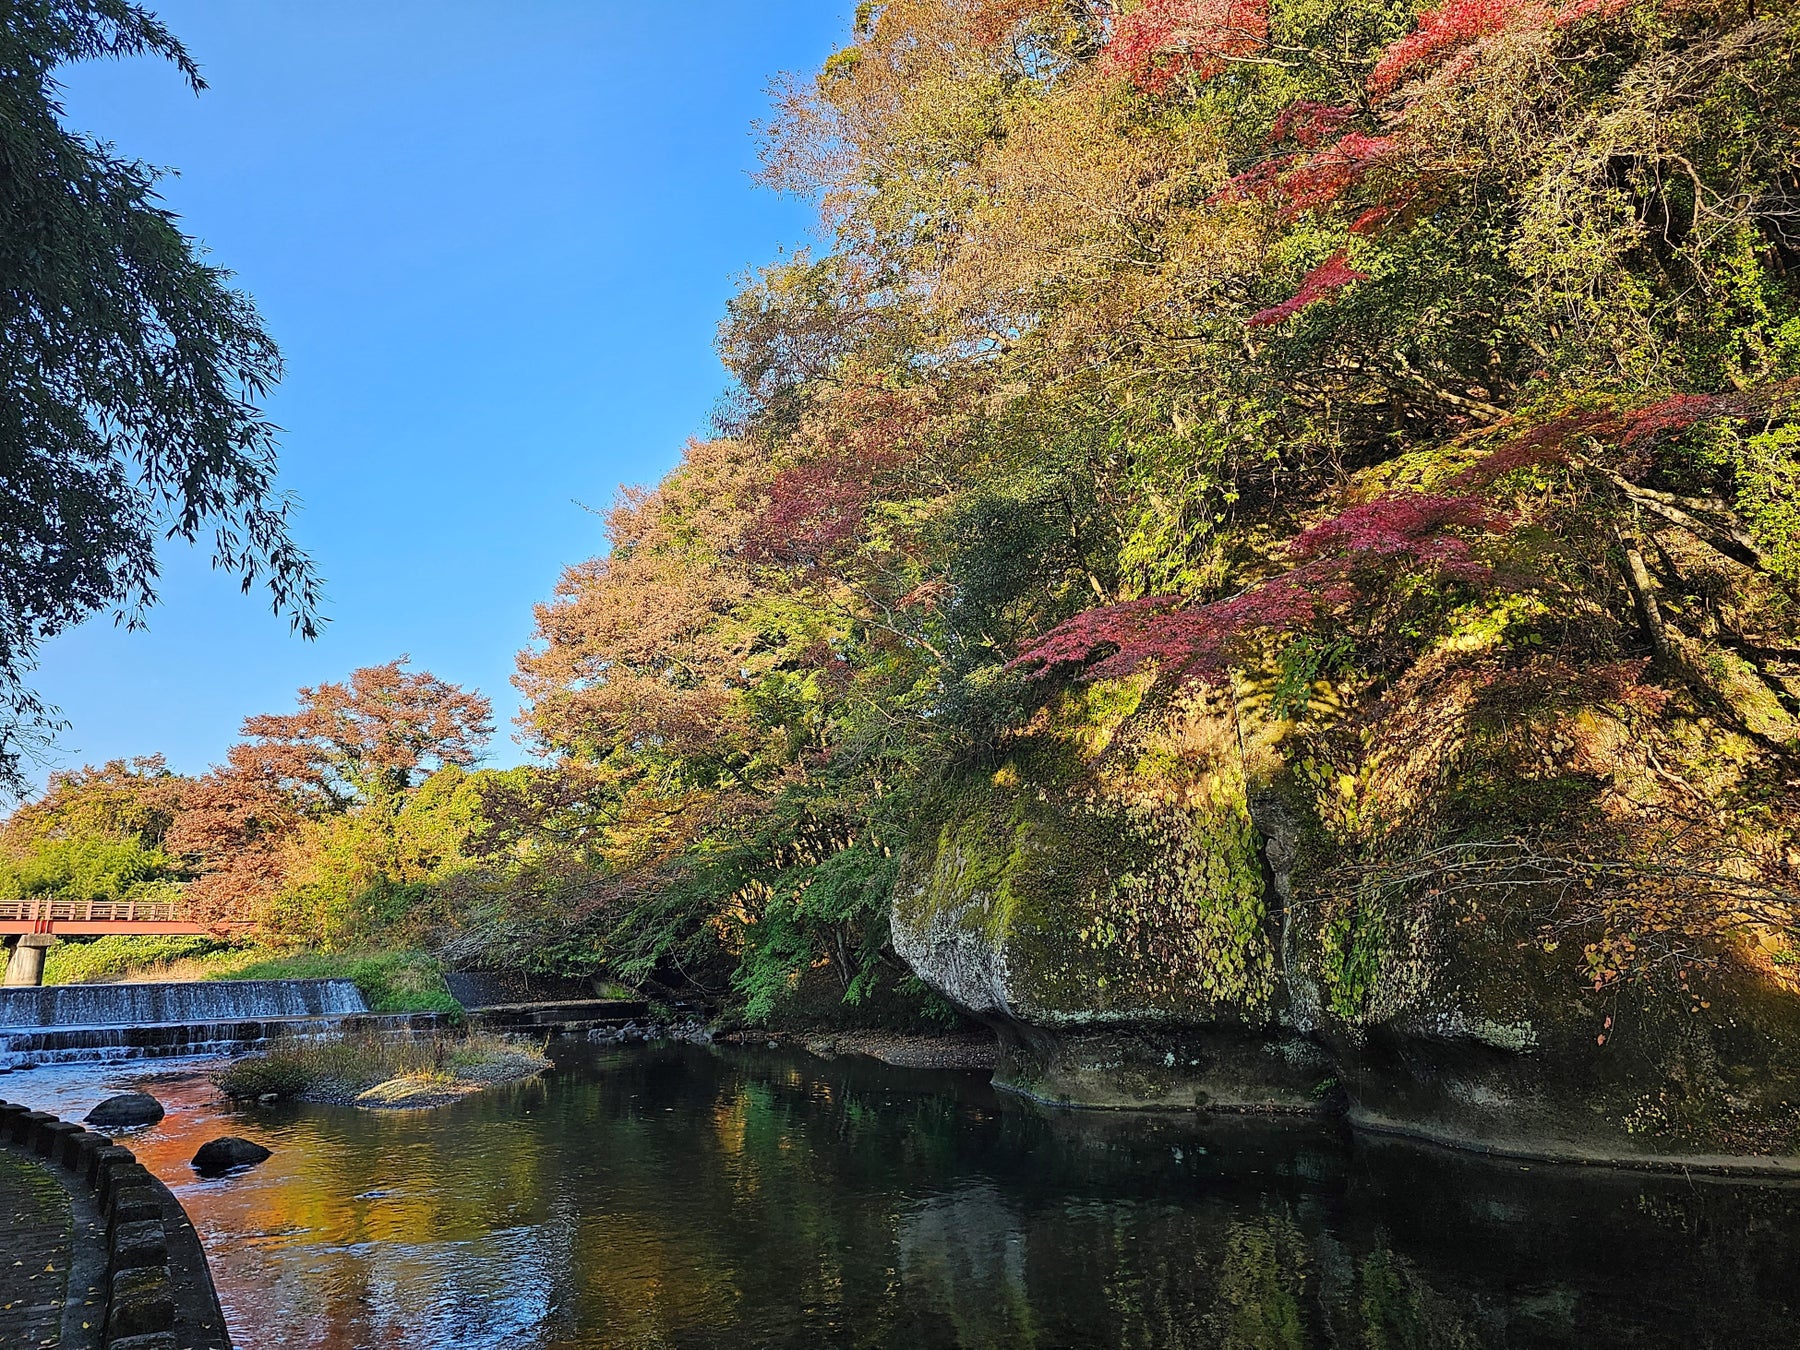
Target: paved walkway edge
159,1289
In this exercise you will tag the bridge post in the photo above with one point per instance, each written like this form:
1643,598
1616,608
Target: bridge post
25,964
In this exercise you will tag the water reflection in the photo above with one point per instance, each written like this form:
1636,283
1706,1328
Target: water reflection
680,1197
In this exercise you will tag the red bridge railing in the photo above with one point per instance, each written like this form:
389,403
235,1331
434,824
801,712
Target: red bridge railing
93,917
91,911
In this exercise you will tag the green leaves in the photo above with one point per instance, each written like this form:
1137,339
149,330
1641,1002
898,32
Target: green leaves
132,372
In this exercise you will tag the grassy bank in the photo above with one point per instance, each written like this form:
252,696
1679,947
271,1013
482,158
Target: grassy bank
383,1071
390,980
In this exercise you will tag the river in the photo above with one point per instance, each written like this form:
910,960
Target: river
681,1196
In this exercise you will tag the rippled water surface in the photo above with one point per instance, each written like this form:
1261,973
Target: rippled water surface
687,1197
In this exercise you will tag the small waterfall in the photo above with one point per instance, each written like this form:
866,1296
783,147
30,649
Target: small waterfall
117,1005
139,1021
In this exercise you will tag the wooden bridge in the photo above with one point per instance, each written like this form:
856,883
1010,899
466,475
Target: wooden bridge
27,927
90,918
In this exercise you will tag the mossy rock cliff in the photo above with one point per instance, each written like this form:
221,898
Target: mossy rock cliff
1100,898
1500,931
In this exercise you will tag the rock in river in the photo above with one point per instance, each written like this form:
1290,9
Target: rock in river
125,1110
219,1156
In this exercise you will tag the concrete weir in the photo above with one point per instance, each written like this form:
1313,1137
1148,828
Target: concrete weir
145,1021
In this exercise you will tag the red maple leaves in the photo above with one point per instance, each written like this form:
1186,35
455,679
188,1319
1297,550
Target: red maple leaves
1307,123
1341,558
1164,41
1457,25
815,509
1322,283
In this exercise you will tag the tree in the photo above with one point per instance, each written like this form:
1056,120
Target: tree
122,799
94,834
230,833
1426,358
132,372
354,747
373,736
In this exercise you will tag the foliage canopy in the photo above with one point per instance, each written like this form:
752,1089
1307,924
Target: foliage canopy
132,372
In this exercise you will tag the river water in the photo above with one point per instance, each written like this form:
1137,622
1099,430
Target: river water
677,1196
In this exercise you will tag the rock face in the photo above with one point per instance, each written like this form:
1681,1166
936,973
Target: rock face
218,1156
1124,947
1150,904
126,1110
1471,1034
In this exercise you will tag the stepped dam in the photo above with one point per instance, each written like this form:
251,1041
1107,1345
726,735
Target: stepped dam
62,1023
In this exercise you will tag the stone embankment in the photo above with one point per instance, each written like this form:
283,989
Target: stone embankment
157,1289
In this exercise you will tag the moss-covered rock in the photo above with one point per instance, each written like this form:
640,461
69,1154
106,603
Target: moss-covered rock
1491,925
1100,897
1550,929
1449,1022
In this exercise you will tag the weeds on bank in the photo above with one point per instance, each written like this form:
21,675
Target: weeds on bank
344,1067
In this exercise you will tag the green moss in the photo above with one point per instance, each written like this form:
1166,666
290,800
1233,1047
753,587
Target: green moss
1089,716
1141,898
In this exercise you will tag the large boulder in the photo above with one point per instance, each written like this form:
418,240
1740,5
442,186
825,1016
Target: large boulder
125,1111
1530,915
219,1156
1475,1025
1099,898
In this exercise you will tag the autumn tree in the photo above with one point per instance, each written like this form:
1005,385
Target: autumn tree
231,835
370,736
119,800
1388,350
95,833
363,742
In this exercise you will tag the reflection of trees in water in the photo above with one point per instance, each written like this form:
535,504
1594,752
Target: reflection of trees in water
677,1198
975,1270
369,1229
1192,1278
1262,1279
1400,1311
961,1261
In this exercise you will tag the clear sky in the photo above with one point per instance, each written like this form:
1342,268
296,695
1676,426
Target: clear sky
494,239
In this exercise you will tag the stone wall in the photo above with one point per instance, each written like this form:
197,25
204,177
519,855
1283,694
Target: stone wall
159,1290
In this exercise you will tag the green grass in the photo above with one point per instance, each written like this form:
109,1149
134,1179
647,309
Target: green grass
111,958
390,981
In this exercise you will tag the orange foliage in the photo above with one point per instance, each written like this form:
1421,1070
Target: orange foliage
230,831
376,733
639,645
235,827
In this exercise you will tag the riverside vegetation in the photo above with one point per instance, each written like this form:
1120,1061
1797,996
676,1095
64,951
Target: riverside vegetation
383,1072
1261,556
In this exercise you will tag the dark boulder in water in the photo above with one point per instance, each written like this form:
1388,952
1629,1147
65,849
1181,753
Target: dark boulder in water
219,1156
125,1110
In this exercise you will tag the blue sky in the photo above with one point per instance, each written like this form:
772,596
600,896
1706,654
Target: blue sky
493,241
